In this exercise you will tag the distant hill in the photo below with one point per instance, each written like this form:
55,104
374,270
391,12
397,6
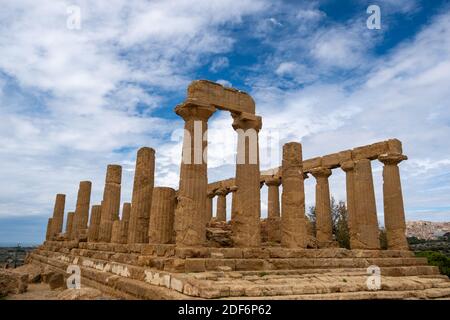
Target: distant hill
427,230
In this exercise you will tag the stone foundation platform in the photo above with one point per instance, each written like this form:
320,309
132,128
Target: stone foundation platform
145,271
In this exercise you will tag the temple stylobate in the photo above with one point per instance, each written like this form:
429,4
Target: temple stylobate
170,243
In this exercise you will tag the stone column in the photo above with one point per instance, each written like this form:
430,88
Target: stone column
352,219
209,207
246,228
111,202
221,213
69,225
162,215
294,233
115,231
124,222
394,212
324,223
94,223
190,212
142,196
81,217
366,206
58,214
233,190
273,209
49,233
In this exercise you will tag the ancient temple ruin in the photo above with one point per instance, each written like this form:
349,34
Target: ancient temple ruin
167,243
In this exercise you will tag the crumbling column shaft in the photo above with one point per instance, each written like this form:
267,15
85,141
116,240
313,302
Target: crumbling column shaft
352,221
221,213
58,214
273,210
324,224
111,202
81,217
162,215
69,225
94,223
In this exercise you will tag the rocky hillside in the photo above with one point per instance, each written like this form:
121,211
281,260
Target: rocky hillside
427,230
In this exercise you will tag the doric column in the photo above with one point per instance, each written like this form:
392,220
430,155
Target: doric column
190,212
365,205
352,219
209,207
94,223
162,215
324,224
126,211
111,202
294,232
58,214
246,228
81,217
69,224
233,190
142,196
115,231
221,213
49,233
273,209
394,212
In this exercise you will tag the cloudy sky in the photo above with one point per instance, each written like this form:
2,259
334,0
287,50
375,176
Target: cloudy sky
74,98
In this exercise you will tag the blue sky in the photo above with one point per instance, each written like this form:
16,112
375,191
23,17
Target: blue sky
73,101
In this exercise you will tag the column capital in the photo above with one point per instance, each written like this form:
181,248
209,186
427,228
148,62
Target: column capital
233,188
194,112
222,191
246,121
273,181
211,194
392,159
320,172
348,165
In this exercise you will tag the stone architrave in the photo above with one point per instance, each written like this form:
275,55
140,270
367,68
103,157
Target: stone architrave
221,213
94,223
81,217
273,209
58,214
365,205
294,233
394,212
162,215
142,196
324,223
111,202
190,213
246,228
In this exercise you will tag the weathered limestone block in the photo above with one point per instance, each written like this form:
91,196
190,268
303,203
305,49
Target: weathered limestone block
247,212
69,224
142,196
394,212
162,215
81,217
273,209
203,92
324,224
58,214
94,223
191,206
111,202
366,210
293,220
221,214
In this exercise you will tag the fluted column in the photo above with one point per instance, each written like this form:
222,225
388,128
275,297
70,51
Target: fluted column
394,212
352,220
294,232
111,202
233,190
49,233
365,205
191,200
142,196
324,224
209,207
94,223
69,224
58,214
221,213
273,209
162,215
81,217
246,228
